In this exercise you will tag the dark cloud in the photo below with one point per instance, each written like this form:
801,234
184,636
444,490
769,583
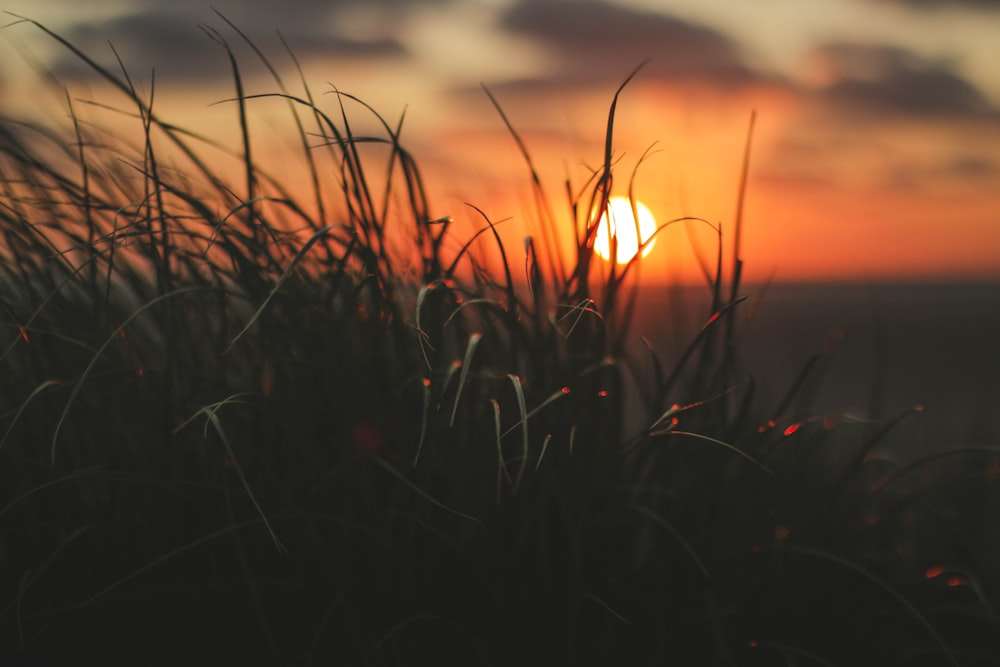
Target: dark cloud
942,4
598,42
850,155
885,79
174,40
974,166
271,13
975,171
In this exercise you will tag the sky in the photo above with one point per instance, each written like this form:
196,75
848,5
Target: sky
875,151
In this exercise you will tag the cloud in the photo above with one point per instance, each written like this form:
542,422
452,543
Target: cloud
264,13
965,168
888,80
172,38
974,166
969,170
596,42
943,4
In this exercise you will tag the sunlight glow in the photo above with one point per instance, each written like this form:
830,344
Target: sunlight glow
623,227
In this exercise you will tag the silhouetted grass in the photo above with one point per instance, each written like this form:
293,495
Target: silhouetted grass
245,424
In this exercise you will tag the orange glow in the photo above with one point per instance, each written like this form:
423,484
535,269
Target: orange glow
618,228
816,209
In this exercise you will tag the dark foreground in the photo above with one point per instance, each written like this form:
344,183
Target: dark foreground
289,524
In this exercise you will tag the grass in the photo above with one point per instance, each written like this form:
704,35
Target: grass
243,424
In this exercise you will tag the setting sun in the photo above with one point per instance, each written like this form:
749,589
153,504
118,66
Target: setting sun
623,227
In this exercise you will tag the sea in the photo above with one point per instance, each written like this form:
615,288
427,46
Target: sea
884,349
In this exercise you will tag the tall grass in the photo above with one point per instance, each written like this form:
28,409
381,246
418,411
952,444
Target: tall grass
245,423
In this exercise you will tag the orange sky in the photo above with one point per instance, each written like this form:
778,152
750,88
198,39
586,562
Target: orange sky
876,153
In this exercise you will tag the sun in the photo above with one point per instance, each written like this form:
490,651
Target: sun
627,232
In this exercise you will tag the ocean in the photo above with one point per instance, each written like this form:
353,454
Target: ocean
884,349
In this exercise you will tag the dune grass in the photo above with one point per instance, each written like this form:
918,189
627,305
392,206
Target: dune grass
243,423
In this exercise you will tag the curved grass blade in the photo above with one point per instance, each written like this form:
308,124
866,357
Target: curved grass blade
501,464
522,410
470,351
38,390
735,450
212,417
663,523
552,397
52,482
424,414
284,276
693,345
545,447
93,362
881,583
385,465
